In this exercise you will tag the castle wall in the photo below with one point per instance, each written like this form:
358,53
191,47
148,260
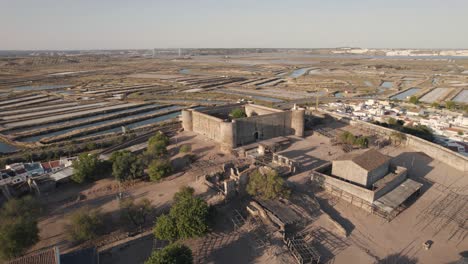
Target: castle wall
251,129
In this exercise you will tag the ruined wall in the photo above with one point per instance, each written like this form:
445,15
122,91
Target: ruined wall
262,127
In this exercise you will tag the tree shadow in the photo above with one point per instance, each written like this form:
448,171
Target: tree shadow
398,259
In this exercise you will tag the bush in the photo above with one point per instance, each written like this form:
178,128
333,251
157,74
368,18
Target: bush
185,148
172,254
166,228
136,213
268,187
238,113
126,165
347,137
159,137
18,226
86,167
420,131
450,105
84,225
159,168
363,142
414,100
187,218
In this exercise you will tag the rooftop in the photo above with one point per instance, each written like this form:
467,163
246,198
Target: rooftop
368,160
49,256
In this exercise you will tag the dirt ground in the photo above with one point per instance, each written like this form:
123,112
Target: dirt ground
439,214
102,194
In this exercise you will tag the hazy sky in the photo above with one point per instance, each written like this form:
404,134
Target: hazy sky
118,24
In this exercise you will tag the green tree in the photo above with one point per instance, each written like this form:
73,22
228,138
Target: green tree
159,137
269,186
187,218
392,121
347,137
126,165
450,105
363,142
85,224
238,113
135,212
156,149
85,168
159,168
435,105
414,100
165,228
460,133
18,226
157,145
171,254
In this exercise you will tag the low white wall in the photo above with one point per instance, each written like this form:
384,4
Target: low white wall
433,150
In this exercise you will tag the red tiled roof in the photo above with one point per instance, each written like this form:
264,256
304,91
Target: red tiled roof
49,256
55,163
45,165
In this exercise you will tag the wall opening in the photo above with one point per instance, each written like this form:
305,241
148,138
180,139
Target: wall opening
256,135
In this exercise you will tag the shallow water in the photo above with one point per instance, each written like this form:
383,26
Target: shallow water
61,132
404,95
7,148
39,87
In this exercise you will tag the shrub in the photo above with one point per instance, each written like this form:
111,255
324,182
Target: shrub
126,165
173,253
450,105
159,168
414,100
18,226
84,225
166,228
269,186
136,213
187,218
185,148
238,113
347,137
85,168
159,137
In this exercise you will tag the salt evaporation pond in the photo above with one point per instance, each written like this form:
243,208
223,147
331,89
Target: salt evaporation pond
299,72
79,119
387,85
259,97
39,87
404,95
462,97
61,132
136,124
6,148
